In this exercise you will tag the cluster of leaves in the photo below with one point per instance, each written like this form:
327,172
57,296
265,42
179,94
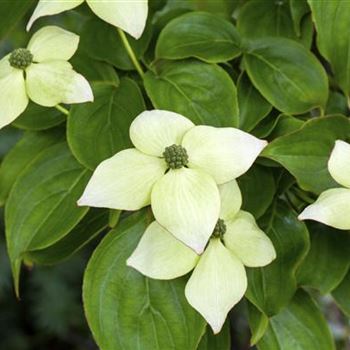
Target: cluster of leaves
272,68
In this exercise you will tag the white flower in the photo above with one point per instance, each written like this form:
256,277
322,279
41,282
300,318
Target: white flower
41,72
333,206
176,167
219,279
128,15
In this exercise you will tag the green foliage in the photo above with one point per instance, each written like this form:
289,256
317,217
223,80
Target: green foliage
212,100
276,69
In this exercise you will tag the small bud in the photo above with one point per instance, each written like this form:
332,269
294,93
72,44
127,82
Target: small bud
175,156
220,229
21,58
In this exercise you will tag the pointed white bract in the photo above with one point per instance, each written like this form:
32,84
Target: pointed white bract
152,131
231,200
333,206
124,181
129,16
248,242
219,280
13,96
339,163
48,80
51,7
53,43
224,153
187,203
161,256
218,283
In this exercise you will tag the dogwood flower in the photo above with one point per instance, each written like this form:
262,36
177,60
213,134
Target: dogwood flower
175,167
333,206
41,72
218,280
128,15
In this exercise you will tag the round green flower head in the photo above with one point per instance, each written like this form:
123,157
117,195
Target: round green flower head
175,156
220,229
21,58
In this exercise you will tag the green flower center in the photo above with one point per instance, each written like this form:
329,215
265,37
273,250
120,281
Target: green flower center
175,156
220,229
21,58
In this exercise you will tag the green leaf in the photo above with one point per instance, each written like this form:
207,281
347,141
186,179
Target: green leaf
101,41
292,88
23,153
341,295
41,208
258,323
98,130
200,91
258,189
223,8
253,108
285,124
38,118
337,104
328,259
221,341
93,70
258,19
12,12
200,35
126,310
305,152
300,325
93,223
298,9
334,44
272,287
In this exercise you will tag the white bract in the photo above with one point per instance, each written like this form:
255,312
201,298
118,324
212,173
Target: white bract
333,206
128,15
42,73
175,167
219,279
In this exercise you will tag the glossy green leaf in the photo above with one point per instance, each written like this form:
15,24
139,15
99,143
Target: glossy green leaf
337,104
272,287
258,19
23,153
200,91
98,130
41,208
38,118
328,259
341,295
12,12
252,106
93,223
298,9
305,152
300,325
334,44
201,35
258,189
285,124
93,70
223,8
221,341
126,310
258,323
287,75
101,41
